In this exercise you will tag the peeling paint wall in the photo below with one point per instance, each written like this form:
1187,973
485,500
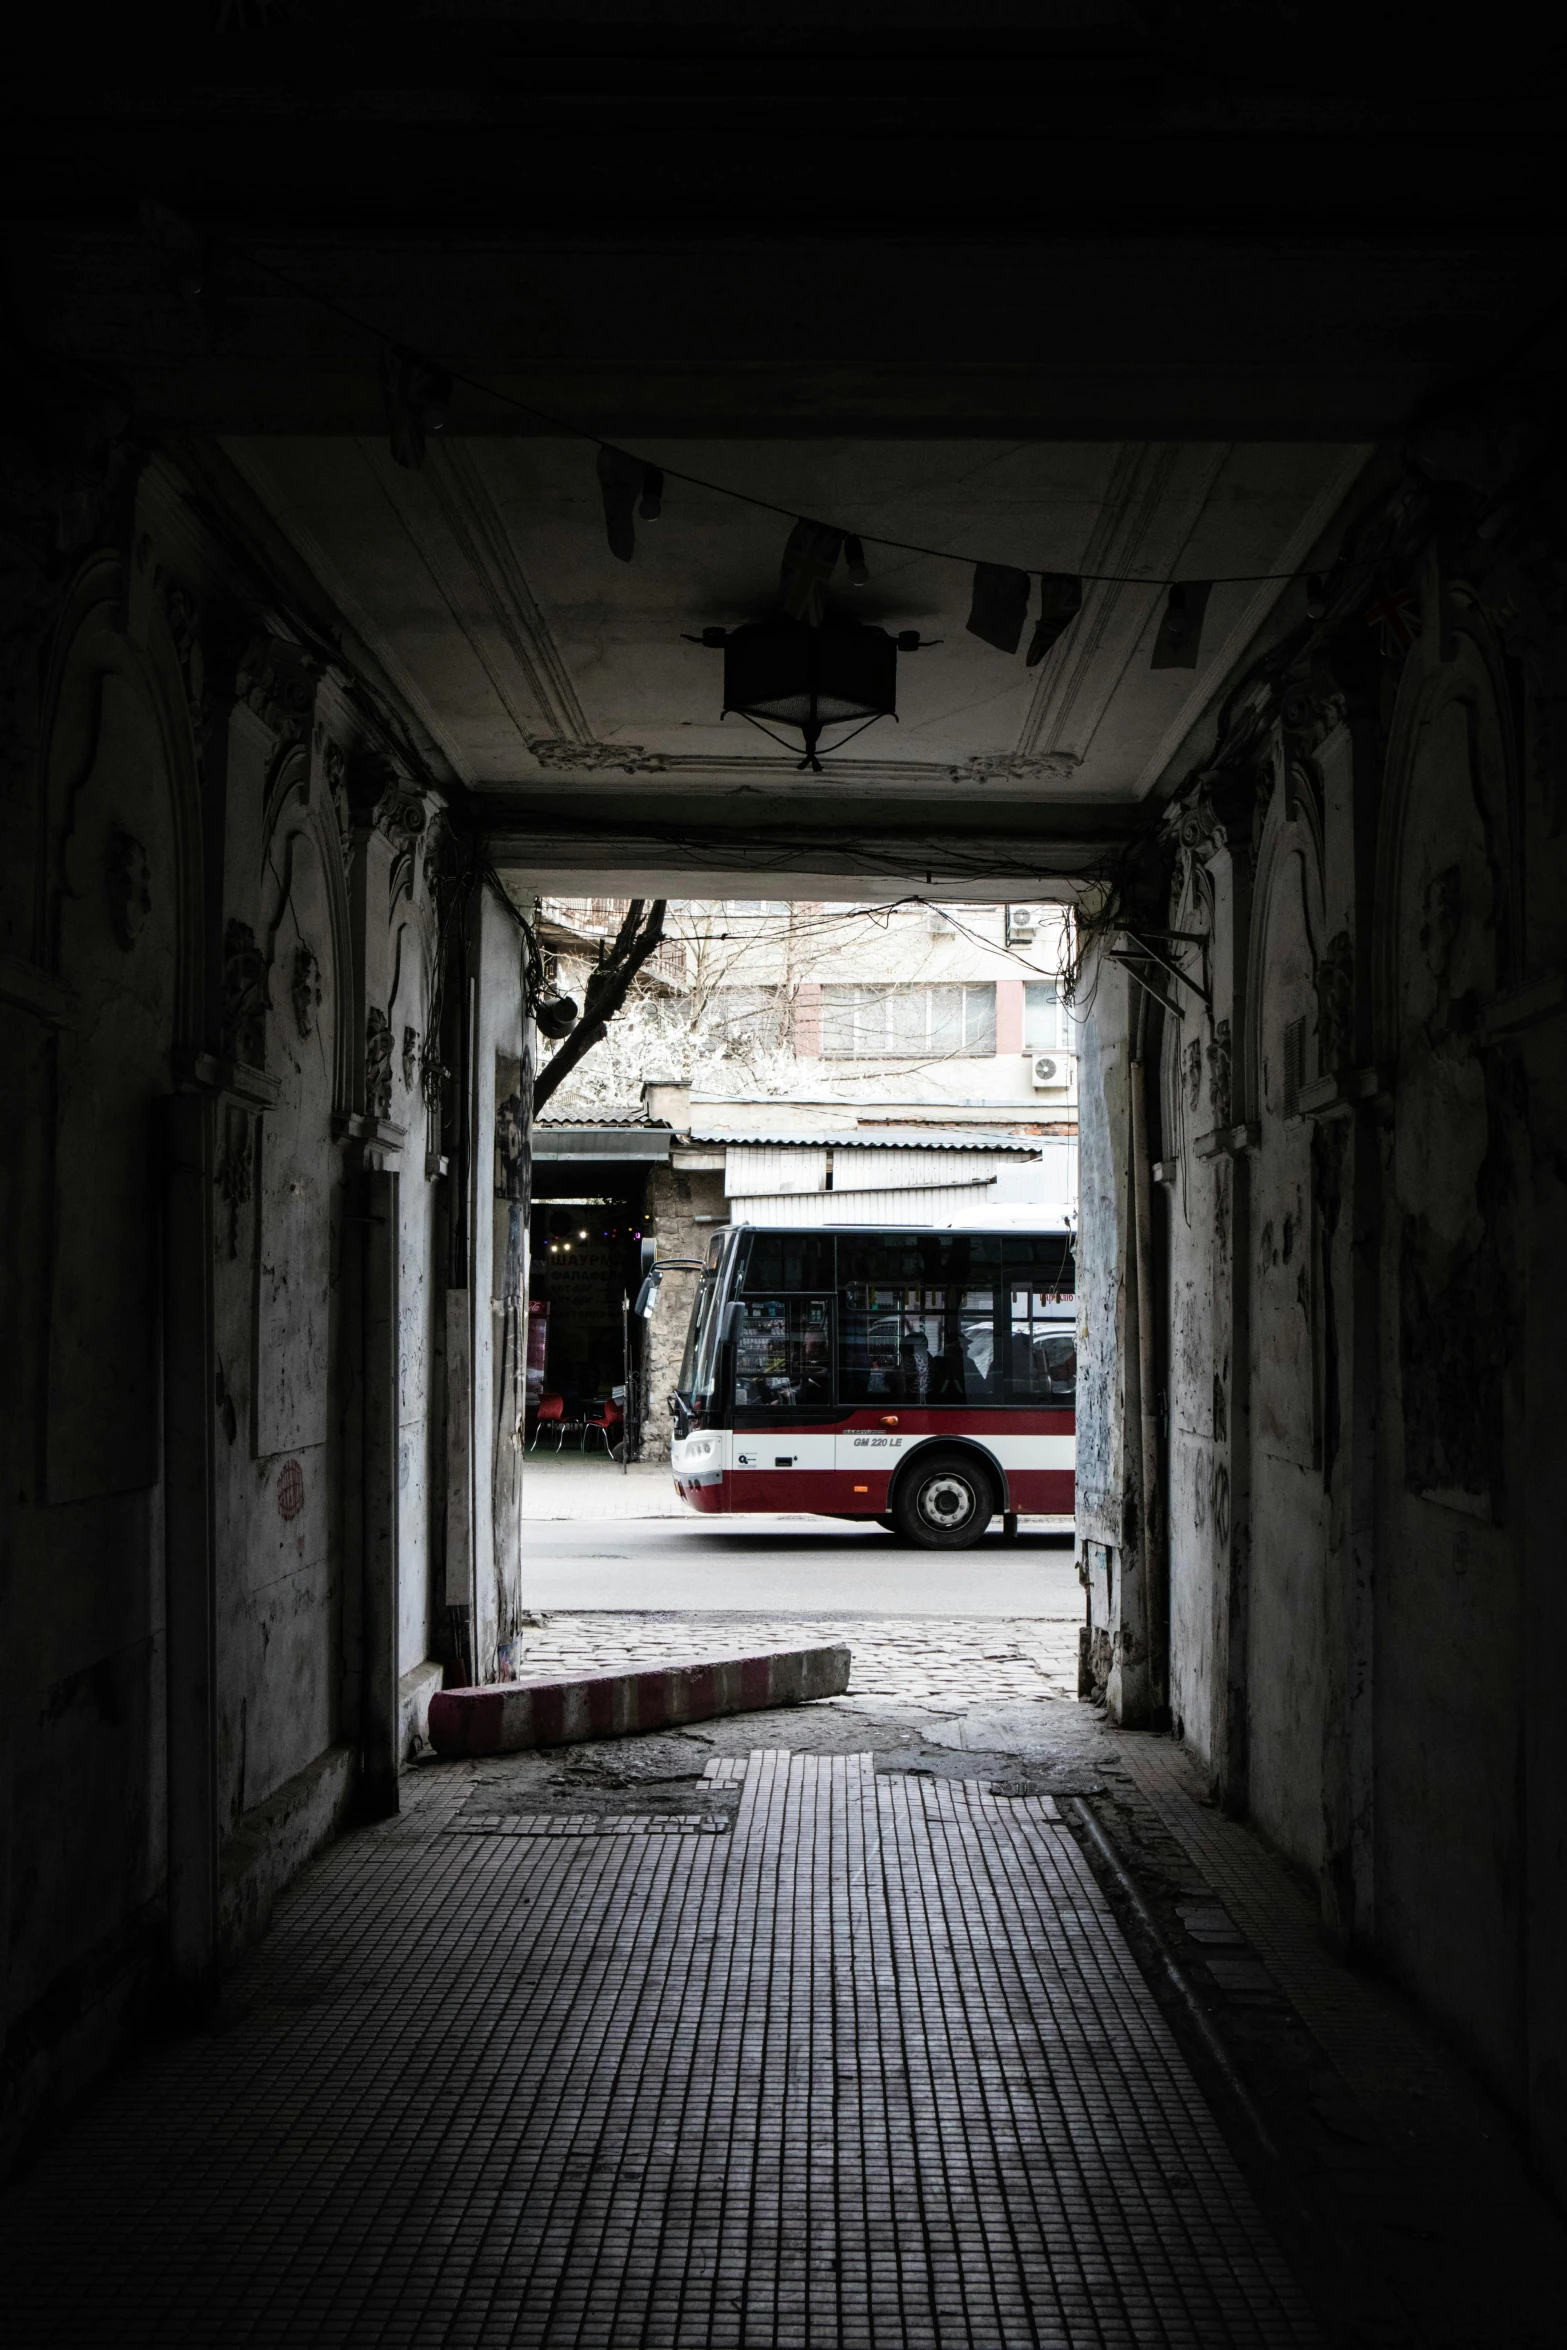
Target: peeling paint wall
1450,1582
498,1287
216,902
1286,1621
1362,1169
1109,1530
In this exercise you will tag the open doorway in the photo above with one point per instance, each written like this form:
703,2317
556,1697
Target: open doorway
585,1344
795,1093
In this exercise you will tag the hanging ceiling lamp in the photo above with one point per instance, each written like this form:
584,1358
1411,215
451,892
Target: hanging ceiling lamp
785,672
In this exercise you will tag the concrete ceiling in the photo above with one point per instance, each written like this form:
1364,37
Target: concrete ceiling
539,663
1072,283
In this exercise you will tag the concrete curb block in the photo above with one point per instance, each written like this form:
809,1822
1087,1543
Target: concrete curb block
513,1715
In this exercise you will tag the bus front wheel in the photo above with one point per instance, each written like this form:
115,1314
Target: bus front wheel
944,1502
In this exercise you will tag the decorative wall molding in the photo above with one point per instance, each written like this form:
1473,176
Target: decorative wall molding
128,880
246,1000
276,682
558,752
1523,1007
378,1065
1229,652
456,474
27,987
201,1072
1065,696
1015,767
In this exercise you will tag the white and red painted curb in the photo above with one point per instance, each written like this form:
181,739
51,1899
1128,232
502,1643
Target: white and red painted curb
511,1715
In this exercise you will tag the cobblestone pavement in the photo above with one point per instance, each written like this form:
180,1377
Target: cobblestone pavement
944,1667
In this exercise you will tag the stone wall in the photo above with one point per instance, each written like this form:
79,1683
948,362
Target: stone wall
675,1200
227,1254
1357,1147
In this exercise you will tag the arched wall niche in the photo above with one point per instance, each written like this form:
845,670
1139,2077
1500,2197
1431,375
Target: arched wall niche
1197,1358
301,821
1288,1663
408,1006
304,937
1451,1624
1184,1045
1452,778
118,922
411,992
1446,943
90,642
1289,860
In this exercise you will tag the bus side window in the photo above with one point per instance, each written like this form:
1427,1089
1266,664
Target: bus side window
1043,1369
783,1353
912,1343
1060,1368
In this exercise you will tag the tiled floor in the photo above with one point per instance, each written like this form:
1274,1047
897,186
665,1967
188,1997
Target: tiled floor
862,2061
660,2041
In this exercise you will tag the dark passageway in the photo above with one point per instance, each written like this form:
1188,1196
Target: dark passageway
817,2027
1097,465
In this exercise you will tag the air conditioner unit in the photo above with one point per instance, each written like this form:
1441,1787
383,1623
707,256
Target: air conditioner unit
1049,1069
1022,925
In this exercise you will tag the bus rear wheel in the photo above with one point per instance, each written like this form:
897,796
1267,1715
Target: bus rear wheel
944,1502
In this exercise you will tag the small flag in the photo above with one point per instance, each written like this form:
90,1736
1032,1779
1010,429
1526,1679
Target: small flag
809,560
1180,631
620,479
651,504
1060,601
999,606
1397,615
854,556
417,394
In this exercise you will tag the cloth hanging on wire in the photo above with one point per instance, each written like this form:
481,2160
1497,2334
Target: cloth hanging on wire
809,561
1180,631
417,395
620,479
999,605
1060,601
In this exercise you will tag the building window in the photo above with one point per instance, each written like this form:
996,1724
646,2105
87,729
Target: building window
1044,1017
756,1012
909,1023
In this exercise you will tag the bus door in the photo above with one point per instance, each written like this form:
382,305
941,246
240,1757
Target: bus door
917,1354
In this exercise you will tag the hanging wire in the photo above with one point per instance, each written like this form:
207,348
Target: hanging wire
697,481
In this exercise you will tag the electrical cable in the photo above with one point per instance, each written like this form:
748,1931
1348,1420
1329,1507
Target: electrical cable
579,432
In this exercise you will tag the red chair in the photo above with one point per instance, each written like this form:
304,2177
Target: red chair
551,1414
600,1419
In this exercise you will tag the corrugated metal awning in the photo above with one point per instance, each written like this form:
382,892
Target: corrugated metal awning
648,1145
856,1138
914,1204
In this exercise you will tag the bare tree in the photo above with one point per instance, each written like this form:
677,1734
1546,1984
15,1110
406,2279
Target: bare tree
607,986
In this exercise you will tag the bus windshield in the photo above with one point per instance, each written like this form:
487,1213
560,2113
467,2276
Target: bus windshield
699,1363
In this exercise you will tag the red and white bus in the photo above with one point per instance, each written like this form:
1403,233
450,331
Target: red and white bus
924,1378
